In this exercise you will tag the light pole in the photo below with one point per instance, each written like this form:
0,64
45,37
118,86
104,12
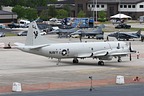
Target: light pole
119,7
91,87
96,11
93,13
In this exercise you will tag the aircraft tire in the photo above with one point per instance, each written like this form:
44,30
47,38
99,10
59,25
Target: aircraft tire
101,63
75,60
119,60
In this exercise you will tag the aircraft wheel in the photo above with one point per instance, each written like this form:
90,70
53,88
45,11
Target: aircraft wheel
75,60
101,63
119,60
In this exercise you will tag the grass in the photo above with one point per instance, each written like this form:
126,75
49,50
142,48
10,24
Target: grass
10,34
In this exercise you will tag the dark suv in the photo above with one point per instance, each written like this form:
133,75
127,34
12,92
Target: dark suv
125,26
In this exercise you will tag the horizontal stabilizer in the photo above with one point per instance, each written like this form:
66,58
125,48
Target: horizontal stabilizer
31,47
19,44
38,46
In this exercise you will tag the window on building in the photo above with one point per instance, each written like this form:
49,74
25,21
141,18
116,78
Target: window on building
89,5
129,6
80,7
121,6
125,6
133,6
98,6
102,6
141,6
93,5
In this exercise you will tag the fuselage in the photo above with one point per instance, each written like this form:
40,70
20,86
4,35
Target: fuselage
74,50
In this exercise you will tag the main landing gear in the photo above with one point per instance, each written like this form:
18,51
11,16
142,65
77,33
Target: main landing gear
75,60
119,59
101,63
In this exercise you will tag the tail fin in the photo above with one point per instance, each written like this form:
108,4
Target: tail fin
33,36
139,32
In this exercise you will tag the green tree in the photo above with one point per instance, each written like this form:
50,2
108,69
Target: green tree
6,2
81,14
61,13
67,8
25,12
52,11
44,15
31,14
102,16
19,10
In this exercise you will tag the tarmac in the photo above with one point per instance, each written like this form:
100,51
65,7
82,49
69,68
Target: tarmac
41,73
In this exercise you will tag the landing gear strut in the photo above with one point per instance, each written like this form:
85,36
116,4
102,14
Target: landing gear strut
75,60
58,61
101,63
119,59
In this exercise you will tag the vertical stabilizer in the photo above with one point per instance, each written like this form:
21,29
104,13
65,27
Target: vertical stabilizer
139,32
33,36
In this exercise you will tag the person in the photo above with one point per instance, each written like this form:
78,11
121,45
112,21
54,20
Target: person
9,46
138,55
140,20
107,38
142,38
80,36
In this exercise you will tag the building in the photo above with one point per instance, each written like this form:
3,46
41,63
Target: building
133,8
61,3
7,17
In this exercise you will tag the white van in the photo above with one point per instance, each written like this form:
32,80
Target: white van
24,23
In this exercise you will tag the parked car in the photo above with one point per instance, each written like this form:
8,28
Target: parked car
43,33
125,26
13,25
2,34
2,26
101,36
22,33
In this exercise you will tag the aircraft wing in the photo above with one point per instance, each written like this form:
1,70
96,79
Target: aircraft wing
85,55
94,54
129,35
100,53
103,53
67,30
118,54
132,35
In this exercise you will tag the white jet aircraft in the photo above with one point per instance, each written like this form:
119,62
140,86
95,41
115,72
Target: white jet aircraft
36,44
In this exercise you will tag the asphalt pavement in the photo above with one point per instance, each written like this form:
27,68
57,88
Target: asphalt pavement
117,90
